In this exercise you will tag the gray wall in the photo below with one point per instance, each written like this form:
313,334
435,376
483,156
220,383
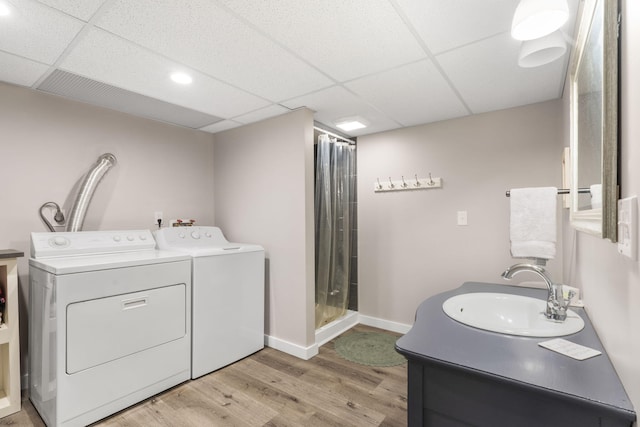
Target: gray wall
264,195
609,281
409,244
48,143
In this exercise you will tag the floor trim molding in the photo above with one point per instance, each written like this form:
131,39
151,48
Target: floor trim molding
296,350
332,330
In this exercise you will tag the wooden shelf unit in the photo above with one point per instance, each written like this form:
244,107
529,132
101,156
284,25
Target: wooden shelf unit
9,335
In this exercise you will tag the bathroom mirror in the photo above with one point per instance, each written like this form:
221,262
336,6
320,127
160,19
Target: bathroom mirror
594,120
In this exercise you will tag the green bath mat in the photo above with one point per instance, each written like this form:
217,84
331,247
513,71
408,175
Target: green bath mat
369,348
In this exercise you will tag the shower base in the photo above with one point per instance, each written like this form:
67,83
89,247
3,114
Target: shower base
331,330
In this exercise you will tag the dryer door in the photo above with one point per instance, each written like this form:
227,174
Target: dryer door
135,321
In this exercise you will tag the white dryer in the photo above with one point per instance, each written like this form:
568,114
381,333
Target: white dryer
109,320
227,295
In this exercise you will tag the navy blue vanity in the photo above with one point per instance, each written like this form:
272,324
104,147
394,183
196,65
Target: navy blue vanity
460,376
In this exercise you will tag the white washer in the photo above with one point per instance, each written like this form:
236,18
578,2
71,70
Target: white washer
109,320
227,295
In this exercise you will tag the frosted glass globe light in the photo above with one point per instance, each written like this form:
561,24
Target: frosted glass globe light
537,52
4,10
537,18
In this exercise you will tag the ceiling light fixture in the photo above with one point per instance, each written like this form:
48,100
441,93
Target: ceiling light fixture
351,123
537,18
181,78
534,53
4,10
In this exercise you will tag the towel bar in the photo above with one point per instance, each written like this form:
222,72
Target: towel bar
562,191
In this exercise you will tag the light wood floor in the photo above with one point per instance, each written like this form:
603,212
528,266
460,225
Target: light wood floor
271,388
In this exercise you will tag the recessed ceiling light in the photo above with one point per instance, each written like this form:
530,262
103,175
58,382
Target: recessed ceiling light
352,123
537,18
181,78
4,10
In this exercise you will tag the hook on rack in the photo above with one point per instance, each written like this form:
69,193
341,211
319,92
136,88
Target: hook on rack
417,184
431,181
379,186
391,183
404,184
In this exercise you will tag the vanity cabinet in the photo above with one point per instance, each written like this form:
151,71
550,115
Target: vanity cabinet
463,376
9,334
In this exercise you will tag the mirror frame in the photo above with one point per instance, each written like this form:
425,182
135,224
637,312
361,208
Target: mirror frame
600,222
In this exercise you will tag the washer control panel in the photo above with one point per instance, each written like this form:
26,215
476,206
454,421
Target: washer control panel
189,237
44,245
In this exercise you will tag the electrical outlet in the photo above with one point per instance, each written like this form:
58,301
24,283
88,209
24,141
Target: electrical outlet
157,216
53,217
628,227
50,215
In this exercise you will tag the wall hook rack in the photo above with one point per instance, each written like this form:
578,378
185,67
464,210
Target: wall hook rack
402,185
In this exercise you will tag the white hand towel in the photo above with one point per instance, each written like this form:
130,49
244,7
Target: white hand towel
596,196
533,222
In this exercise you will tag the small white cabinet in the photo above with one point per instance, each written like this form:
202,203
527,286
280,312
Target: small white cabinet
9,334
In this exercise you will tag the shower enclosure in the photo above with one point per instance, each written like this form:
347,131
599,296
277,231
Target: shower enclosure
335,229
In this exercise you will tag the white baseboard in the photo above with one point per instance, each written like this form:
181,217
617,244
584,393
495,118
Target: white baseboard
387,325
329,332
296,350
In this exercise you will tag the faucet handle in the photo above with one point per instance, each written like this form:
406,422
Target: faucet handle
568,293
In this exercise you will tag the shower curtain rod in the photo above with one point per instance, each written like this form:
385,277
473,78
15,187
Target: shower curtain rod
335,135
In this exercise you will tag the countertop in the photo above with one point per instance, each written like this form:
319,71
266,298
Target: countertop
436,338
10,253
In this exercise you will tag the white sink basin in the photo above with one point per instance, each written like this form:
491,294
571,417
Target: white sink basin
509,314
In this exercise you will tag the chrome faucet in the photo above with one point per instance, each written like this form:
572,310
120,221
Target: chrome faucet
556,304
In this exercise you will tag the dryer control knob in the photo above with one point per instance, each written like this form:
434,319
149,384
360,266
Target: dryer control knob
60,241
142,237
207,234
116,238
181,235
195,235
130,238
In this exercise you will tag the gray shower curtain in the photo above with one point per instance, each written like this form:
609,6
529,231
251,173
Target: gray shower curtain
335,166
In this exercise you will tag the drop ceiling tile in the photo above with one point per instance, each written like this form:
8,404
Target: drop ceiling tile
336,103
205,37
83,9
109,59
345,39
443,25
261,114
488,77
20,71
221,126
412,94
37,32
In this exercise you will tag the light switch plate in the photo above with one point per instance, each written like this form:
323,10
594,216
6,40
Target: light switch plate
628,227
462,218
